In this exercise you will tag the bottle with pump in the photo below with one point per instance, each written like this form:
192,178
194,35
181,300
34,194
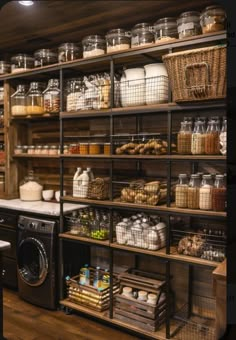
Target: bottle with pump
75,182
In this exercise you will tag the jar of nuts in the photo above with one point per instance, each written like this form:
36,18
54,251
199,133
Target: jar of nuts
51,97
213,19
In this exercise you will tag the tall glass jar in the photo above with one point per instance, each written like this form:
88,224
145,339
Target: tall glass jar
75,99
223,137
21,62
18,101
213,19
68,52
212,141
93,45
142,35
165,29
189,24
44,57
181,192
184,138
219,194
51,97
198,139
193,191
117,40
34,99
205,193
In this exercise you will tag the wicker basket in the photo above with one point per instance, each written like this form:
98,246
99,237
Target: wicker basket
198,74
98,188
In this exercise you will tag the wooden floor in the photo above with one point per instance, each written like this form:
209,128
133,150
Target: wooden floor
23,321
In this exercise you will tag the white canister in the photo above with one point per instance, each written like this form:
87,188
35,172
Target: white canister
142,295
152,299
156,90
121,233
132,87
128,292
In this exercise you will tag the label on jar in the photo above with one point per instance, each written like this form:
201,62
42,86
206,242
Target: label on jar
184,27
135,41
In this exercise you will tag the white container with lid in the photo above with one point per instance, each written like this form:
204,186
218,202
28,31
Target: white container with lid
30,189
132,87
127,291
157,85
142,295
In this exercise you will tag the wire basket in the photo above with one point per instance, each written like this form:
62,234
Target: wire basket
98,188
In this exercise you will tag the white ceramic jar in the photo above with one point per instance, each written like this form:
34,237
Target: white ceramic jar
156,89
132,87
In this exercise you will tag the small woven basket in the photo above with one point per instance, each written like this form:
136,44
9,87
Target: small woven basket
98,188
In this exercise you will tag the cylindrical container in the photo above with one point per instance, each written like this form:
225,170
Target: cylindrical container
184,138
21,62
107,148
94,148
132,87
25,149
181,192
193,191
189,24
30,189
38,149
165,29
142,35
31,150
213,19
75,99
156,85
127,291
84,148
45,150
5,67
18,101
142,295
212,139
97,279
117,40
53,150
34,99
68,52
93,45
44,57
65,150
219,194
18,150
51,97
223,137
152,299
205,193
198,139
1,93
73,148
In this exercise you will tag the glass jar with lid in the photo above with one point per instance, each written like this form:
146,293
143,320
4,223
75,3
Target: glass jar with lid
53,150
165,29
31,150
189,24
193,191
94,148
219,194
75,97
18,149
1,93
5,67
45,57
93,45
30,188
45,150
212,142
205,193
21,62
223,137
117,40
142,34
18,101
198,139
68,52
51,97
184,138
181,192
213,19
1,118
34,99
38,149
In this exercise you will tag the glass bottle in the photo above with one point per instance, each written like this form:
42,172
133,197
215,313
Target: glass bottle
84,275
68,52
212,142
18,101
142,35
181,192
165,29
106,279
205,193
117,40
184,138
51,97
193,191
189,24
213,19
198,139
219,194
93,45
34,99
97,278
223,137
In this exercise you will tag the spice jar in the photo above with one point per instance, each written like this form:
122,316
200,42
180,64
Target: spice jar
94,148
127,291
21,62
213,19
165,29
68,52
51,97
223,137
212,139
93,45
65,150
184,138
141,35
18,150
152,299
38,149
53,150
107,148
189,24
181,192
73,148
45,150
31,150
219,194
193,191
142,295
25,149
205,193
117,40
84,148
1,93
34,99
198,139
18,101
1,118
44,57
4,67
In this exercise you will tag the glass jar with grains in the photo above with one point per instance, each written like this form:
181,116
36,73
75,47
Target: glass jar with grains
193,191
165,29
223,137
68,52
21,62
184,138
34,99
213,19
212,139
5,67
198,139
142,34
18,101
117,40
51,97
181,192
44,57
93,45
189,24
205,193
219,194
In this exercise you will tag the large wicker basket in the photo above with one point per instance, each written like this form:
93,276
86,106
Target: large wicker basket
198,74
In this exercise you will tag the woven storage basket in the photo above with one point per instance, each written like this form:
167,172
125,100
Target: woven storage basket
98,188
197,74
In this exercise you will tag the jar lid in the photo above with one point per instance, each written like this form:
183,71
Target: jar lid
44,52
83,143
107,143
93,38
73,144
195,176
127,290
216,9
31,147
95,143
142,293
209,176
183,175
152,296
219,176
114,32
45,147
19,147
25,146
168,21
68,46
53,147
39,146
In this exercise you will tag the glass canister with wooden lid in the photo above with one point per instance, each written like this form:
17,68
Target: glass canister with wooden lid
213,19
165,29
117,40
142,34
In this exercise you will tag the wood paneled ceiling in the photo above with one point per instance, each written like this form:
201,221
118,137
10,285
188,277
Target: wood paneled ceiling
49,23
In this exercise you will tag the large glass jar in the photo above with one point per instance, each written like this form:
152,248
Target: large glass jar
184,138
18,101
223,137
181,192
165,29
219,194
205,193
4,67
21,62
1,93
51,97
117,40
93,45
213,19
30,188
75,99
189,24
45,57
198,139
193,191
212,141
34,99
68,52
142,35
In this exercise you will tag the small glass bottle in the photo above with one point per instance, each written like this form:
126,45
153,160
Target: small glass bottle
184,138
198,139
189,24
223,137
212,139
165,29
51,97
181,192
193,191
142,35
117,40
205,193
34,99
93,45
219,194
18,101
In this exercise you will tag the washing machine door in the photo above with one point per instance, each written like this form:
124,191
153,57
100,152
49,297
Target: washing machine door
32,261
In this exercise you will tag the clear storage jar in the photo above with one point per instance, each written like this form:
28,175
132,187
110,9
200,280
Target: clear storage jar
205,193
117,40
45,57
1,118
223,137
212,141
189,24
21,62
68,52
219,194
193,191
34,99
5,67
18,101
213,19
1,93
198,139
181,192
184,138
142,35
93,45
75,99
165,29
30,188
31,150
51,97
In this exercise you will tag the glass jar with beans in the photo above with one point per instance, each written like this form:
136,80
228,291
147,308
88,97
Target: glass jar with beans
51,97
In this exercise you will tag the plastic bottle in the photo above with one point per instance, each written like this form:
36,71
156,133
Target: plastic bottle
90,174
106,279
84,275
83,182
75,181
97,278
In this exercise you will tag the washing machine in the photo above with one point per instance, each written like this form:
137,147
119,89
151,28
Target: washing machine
36,261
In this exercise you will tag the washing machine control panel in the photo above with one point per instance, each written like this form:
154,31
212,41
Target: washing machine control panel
35,224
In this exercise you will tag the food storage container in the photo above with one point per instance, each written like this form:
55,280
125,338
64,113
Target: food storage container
31,150
193,191
213,19
18,149
93,45
1,93
181,192
198,138
205,193
223,137
219,194
165,29
117,40
45,150
45,57
68,52
18,101
84,148
189,24
132,87
5,67
94,148
25,149
107,148
142,34
34,99
21,62
38,149
212,139
156,84
73,148
1,118
53,150
51,97
184,138
75,98
30,189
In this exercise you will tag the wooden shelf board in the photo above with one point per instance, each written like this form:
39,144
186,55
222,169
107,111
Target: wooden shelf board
35,156
29,117
101,315
69,236
221,271
197,211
